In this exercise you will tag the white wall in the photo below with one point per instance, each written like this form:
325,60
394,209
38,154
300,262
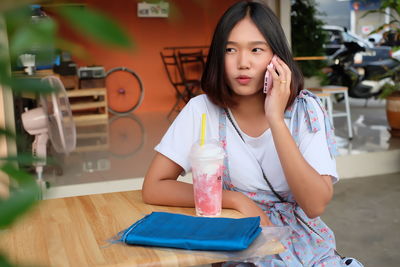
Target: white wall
282,9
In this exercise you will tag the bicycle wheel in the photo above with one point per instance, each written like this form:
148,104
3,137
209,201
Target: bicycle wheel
124,90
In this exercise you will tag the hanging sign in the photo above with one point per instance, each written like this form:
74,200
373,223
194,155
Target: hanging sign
156,10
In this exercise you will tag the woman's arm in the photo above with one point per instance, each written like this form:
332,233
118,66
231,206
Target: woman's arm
161,187
311,190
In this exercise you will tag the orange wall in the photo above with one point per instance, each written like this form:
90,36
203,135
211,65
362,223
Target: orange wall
192,26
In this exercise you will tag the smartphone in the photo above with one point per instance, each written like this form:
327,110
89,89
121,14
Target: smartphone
268,78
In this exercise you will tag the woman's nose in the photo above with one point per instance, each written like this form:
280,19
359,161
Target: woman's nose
243,61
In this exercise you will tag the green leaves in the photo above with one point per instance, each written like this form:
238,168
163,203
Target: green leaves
32,85
34,36
7,133
394,24
393,27
38,36
4,262
26,84
21,198
30,36
96,25
22,158
389,89
380,28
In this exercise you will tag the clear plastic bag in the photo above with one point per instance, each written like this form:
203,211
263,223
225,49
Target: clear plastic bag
267,243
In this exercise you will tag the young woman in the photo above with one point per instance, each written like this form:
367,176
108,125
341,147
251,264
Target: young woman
280,150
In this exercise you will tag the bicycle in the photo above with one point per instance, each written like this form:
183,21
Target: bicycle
124,89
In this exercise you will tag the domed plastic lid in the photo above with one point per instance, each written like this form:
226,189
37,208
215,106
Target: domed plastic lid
211,149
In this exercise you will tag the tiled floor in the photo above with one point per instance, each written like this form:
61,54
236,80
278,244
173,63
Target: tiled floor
370,128
114,156
365,217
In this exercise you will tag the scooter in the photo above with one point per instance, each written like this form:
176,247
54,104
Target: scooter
363,80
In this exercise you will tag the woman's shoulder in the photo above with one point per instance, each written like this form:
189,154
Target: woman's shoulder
202,103
307,112
303,102
308,96
198,100
314,119
315,101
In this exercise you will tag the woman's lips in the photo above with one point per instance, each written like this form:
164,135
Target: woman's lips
243,80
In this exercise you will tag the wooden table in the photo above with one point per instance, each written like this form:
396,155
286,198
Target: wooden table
72,232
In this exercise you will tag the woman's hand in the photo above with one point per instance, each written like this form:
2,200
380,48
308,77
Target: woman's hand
249,208
278,96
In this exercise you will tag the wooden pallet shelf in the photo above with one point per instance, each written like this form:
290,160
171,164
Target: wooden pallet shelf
88,105
87,92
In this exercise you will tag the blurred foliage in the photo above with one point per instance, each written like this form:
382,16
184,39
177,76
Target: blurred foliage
22,196
38,35
395,48
392,29
390,90
391,33
308,37
95,24
4,262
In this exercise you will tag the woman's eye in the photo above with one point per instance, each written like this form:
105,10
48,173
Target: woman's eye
229,50
257,50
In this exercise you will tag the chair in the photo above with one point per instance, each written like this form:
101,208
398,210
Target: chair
192,67
326,92
174,74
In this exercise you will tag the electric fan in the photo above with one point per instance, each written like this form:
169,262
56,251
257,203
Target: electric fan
53,118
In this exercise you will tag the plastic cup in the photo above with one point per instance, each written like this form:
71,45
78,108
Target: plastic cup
207,163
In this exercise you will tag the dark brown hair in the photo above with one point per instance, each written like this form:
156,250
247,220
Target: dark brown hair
213,79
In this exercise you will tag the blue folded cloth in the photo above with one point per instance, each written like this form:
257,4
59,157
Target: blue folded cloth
164,229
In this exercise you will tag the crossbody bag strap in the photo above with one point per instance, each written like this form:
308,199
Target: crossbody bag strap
265,177
270,185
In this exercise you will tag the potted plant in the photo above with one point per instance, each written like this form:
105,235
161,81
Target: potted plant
391,91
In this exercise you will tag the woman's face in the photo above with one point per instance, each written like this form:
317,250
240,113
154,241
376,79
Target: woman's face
247,56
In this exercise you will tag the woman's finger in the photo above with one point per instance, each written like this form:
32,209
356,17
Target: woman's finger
282,74
275,76
287,71
286,74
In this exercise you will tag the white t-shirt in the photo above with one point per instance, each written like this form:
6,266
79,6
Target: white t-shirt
245,158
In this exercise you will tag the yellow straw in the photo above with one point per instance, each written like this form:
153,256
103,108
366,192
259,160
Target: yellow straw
203,129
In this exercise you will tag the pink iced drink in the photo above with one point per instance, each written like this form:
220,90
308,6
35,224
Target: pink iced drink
207,168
